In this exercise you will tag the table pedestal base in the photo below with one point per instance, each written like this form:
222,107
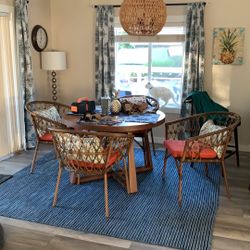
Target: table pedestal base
132,170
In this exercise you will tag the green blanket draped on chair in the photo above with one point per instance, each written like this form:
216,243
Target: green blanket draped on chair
203,103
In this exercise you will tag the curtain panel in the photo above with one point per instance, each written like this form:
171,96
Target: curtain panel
193,78
25,65
11,126
104,52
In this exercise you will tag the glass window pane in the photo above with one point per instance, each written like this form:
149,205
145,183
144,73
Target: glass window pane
131,67
159,61
166,74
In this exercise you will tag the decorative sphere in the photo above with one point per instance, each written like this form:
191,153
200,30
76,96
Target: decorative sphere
115,106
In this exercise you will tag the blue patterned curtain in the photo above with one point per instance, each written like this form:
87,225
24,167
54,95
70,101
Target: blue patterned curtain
194,51
104,51
25,64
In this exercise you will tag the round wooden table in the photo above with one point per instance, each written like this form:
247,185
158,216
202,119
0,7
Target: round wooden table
135,128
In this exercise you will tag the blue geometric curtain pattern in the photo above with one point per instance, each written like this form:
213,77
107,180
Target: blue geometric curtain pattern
194,51
25,64
104,52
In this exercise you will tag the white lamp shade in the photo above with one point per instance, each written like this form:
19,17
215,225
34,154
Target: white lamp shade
54,60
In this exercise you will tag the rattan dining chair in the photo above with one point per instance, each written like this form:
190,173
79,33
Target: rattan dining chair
201,102
196,139
90,153
44,115
153,105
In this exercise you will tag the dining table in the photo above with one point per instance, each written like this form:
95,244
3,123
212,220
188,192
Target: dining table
137,125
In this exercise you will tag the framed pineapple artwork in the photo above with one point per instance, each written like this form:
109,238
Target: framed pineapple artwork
228,46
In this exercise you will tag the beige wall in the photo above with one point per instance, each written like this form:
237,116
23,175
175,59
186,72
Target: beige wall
72,30
39,13
229,84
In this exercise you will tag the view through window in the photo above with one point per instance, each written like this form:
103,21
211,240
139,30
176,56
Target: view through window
152,68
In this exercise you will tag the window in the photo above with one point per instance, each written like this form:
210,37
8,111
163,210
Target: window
152,65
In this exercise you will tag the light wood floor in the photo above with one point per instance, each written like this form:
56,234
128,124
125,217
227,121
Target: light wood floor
231,231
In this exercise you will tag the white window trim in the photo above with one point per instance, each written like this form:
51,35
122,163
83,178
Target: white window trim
156,39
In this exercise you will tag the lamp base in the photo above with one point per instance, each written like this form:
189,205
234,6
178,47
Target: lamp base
54,86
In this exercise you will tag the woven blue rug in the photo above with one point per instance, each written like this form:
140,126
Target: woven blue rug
151,216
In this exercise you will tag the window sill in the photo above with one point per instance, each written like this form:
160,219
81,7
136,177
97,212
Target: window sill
171,110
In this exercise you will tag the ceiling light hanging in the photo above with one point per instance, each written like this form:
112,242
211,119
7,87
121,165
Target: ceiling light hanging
143,17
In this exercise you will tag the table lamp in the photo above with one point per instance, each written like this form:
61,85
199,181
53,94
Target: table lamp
53,61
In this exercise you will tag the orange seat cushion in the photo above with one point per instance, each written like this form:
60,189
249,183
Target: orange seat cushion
176,148
46,137
85,164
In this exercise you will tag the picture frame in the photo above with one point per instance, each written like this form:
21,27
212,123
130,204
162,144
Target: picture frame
228,44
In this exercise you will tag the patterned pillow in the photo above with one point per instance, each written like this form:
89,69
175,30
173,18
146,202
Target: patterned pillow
205,127
50,113
135,99
216,140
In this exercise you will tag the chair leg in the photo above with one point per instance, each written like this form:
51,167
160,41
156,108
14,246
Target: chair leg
236,141
144,151
206,169
106,195
165,163
192,164
57,183
180,184
78,179
225,179
126,174
34,158
152,140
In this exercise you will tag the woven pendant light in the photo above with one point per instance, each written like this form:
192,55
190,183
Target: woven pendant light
143,17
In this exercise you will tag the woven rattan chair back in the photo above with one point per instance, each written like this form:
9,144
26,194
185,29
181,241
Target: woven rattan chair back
42,124
149,99
188,130
90,153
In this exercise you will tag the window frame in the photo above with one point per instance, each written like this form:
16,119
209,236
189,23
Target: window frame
176,18
167,109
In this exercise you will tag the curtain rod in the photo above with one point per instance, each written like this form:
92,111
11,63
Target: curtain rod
167,4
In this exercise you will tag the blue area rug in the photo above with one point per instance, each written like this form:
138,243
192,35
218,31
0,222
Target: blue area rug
151,216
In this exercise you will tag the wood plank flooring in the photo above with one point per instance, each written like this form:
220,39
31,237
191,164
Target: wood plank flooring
231,231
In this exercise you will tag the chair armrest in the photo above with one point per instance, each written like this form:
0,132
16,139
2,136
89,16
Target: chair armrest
62,109
217,140
42,124
183,128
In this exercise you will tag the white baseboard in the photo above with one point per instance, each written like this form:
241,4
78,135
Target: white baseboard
158,140
244,148
6,157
